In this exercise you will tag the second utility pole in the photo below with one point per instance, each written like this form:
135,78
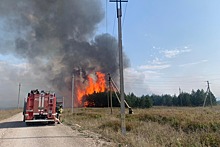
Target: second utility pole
73,91
110,91
19,91
208,93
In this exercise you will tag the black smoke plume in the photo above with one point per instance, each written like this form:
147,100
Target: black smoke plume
56,37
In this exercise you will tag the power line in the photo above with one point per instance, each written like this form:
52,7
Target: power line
106,15
124,14
113,30
173,77
163,82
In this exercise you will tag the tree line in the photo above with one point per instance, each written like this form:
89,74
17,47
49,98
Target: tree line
193,99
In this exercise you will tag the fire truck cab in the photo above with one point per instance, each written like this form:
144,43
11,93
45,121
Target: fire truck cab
40,107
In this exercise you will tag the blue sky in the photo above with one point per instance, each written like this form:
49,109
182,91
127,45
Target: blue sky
170,44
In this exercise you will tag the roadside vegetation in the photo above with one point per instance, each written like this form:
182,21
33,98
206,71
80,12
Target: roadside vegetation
8,113
157,126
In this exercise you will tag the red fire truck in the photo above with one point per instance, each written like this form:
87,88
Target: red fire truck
40,107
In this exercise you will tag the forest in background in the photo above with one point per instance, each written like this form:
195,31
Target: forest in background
193,99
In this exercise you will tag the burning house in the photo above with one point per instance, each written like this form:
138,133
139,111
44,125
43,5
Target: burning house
87,84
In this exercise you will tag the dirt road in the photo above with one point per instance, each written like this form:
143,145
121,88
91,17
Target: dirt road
15,133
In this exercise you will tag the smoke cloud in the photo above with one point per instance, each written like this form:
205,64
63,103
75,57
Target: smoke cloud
57,38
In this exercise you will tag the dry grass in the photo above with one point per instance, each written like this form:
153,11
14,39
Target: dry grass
158,126
8,113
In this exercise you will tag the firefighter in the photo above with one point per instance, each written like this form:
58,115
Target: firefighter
59,112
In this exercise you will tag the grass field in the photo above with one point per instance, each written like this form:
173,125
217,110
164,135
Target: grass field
8,113
157,126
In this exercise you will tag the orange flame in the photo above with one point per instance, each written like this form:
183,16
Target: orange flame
92,86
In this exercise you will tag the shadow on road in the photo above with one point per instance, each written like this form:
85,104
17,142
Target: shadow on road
12,124
19,124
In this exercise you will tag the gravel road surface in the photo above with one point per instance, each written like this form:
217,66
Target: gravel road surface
15,133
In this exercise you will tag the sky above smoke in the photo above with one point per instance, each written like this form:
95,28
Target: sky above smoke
51,39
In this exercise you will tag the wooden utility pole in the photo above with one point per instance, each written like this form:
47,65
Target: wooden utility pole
73,89
63,102
119,15
19,90
110,91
